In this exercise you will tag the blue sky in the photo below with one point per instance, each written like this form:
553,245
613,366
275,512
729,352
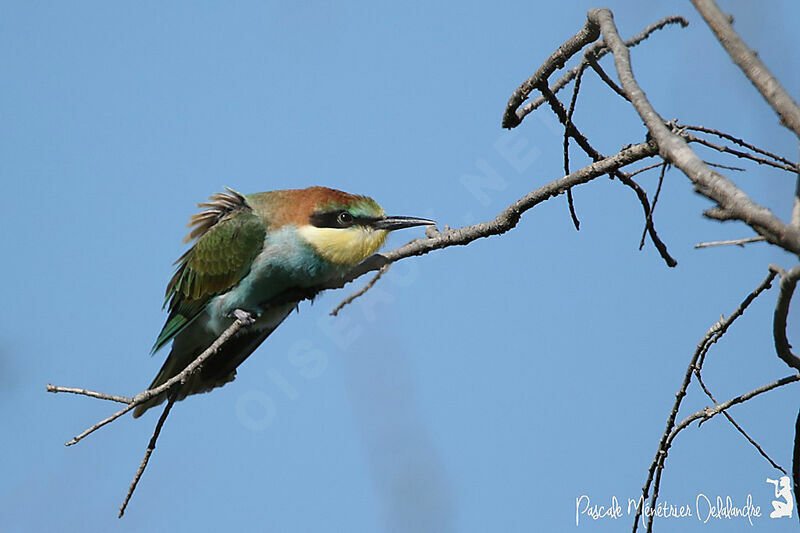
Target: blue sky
475,389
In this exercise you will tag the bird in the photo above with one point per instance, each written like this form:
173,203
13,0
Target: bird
246,251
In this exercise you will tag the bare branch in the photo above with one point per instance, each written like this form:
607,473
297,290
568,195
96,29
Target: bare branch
737,242
752,67
788,283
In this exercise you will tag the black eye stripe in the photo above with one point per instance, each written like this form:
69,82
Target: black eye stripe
330,219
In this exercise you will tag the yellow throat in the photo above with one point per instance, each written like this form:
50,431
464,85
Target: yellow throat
344,246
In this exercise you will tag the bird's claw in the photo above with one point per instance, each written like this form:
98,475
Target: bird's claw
244,317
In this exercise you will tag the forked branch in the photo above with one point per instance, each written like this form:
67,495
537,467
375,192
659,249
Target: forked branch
241,321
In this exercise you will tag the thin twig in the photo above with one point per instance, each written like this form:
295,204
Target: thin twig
740,142
738,153
100,424
649,220
736,242
570,201
739,428
361,291
146,459
726,167
644,169
92,394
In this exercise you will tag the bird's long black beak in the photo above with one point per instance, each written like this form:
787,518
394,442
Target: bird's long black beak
393,223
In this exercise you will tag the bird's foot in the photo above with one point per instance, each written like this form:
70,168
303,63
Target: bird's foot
245,317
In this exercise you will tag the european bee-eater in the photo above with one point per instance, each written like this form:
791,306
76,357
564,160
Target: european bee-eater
248,249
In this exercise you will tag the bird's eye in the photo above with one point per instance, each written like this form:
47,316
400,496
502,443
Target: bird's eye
344,218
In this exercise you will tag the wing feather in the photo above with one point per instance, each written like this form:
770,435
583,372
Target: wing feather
228,235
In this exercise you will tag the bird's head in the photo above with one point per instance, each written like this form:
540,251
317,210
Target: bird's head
346,228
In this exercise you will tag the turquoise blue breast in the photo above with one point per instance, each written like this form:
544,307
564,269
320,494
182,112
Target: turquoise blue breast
287,261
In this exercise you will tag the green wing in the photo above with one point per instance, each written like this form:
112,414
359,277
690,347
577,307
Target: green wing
229,236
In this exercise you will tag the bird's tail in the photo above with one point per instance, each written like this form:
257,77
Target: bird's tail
179,358
217,370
